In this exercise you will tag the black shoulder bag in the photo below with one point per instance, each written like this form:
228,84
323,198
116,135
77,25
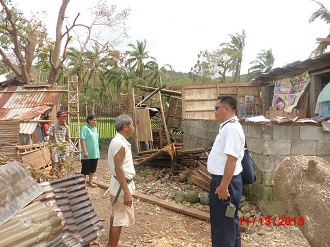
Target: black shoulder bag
249,175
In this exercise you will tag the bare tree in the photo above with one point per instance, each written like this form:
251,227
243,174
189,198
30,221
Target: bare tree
29,38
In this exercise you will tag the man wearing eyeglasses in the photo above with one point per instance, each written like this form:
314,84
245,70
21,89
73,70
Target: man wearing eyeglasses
224,164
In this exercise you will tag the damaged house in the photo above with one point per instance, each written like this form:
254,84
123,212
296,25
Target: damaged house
21,112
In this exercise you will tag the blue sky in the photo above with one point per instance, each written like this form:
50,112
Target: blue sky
176,31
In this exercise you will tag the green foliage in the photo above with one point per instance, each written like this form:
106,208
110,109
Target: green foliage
189,181
323,14
263,64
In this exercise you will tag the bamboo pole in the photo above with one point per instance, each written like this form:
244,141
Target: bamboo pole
163,118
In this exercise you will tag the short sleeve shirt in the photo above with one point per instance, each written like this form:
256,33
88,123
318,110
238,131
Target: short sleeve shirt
59,133
91,138
229,141
115,145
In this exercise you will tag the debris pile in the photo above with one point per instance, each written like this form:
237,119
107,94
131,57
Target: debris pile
187,164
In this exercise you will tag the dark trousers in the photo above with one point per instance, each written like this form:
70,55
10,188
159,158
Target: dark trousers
225,232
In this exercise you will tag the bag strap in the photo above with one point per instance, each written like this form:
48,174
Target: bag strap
245,145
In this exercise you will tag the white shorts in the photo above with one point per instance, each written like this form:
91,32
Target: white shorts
59,156
122,215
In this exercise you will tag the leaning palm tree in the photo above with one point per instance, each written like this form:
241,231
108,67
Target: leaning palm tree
137,56
263,64
235,50
154,74
324,14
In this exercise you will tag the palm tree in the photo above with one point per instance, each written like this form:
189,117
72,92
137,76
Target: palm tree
74,61
235,50
122,76
155,74
324,14
263,64
137,56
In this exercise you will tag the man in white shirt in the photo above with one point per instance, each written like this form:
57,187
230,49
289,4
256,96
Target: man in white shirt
122,186
224,164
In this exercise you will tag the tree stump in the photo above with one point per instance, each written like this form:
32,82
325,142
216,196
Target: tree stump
303,182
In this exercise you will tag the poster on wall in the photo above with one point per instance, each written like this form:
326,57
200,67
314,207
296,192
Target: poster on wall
288,91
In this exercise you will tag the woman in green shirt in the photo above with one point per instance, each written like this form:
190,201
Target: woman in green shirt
90,153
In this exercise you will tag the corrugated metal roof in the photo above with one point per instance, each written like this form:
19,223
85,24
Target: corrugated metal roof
296,68
61,216
17,189
28,103
29,97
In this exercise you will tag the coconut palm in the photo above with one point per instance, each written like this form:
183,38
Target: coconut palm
122,77
324,14
154,74
235,50
74,58
137,56
263,64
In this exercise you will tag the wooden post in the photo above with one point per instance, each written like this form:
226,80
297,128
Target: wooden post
163,118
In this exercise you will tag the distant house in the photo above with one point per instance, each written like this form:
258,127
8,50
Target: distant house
21,107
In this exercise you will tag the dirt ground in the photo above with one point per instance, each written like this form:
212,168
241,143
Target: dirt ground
159,227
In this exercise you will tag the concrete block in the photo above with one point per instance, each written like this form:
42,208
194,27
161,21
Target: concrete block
262,161
303,147
268,209
284,132
311,133
277,147
255,145
326,136
322,148
268,178
267,194
257,131
260,176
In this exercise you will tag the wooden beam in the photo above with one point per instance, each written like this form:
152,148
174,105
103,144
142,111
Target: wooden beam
320,72
150,95
165,91
323,40
163,118
166,204
174,206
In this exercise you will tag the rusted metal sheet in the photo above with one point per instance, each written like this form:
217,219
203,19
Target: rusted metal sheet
62,215
38,95
17,189
86,221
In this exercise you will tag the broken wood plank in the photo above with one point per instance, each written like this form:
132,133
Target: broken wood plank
203,170
163,118
199,181
191,151
166,204
173,206
150,95
165,91
168,150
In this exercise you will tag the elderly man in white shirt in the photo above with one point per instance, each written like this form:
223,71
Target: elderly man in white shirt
122,172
